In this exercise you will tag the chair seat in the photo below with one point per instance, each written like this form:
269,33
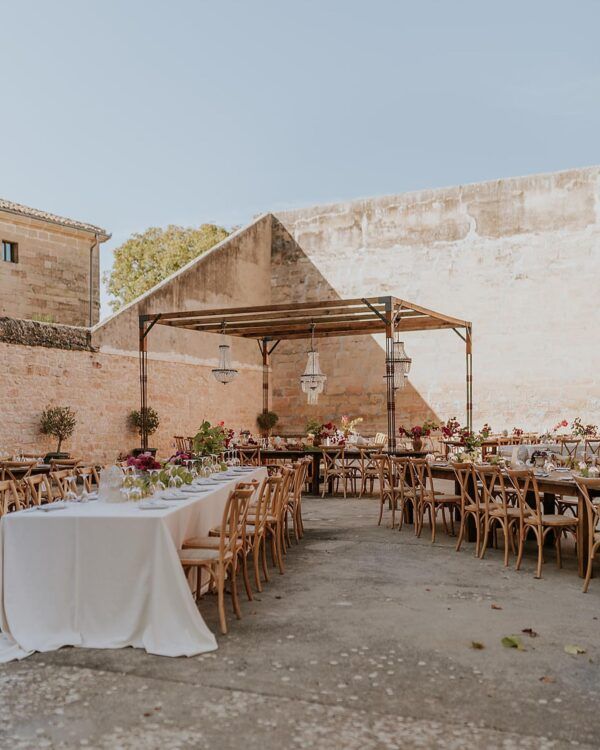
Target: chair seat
472,508
558,520
198,556
441,498
510,512
209,542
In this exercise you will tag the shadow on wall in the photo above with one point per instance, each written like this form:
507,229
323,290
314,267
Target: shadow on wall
355,366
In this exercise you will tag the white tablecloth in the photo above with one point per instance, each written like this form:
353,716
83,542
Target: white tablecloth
104,575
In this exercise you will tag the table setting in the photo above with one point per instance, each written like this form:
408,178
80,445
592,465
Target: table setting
103,571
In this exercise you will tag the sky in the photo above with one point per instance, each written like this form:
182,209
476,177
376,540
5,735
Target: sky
137,113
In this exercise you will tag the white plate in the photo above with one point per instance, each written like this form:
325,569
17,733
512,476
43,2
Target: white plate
170,496
153,506
50,507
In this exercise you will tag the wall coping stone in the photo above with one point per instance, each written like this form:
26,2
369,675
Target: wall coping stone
51,335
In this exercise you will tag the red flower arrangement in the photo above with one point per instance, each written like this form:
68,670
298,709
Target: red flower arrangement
418,431
517,431
451,428
228,434
143,462
180,457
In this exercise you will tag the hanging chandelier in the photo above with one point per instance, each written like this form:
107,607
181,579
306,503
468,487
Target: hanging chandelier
402,363
312,381
225,372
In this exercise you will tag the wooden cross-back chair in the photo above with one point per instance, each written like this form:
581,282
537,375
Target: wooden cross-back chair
429,499
16,470
9,498
220,564
38,490
249,456
586,487
293,504
368,471
89,477
533,519
405,496
498,509
334,470
386,486
62,481
569,447
471,505
591,448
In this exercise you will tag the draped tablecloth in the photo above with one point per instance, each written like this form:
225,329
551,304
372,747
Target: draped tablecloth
104,575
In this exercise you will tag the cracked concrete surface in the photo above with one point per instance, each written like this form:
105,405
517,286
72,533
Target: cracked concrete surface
365,642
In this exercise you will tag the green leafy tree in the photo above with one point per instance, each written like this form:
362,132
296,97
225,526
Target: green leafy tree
146,259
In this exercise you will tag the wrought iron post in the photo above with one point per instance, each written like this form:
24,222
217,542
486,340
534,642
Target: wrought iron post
389,376
264,347
469,363
143,384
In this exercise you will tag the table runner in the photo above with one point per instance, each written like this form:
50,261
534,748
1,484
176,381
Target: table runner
104,575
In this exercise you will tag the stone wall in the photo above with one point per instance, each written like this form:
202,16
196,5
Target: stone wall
51,280
42,366
520,258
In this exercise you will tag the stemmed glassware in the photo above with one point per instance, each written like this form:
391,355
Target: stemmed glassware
71,492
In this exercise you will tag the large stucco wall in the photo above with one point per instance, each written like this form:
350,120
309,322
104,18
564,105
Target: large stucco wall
520,258
51,280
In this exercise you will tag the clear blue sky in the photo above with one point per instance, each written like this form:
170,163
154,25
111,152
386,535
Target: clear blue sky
138,113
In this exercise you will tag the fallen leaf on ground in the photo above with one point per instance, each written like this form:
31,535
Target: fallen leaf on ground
547,678
530,632
496,606
477,645
572,649
513,641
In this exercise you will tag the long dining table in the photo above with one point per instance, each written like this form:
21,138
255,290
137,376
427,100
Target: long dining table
552,486
106,575
293,454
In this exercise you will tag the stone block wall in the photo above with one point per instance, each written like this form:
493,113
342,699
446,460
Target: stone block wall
51,280
520,258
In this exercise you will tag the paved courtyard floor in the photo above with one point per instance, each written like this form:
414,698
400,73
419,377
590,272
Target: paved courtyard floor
365,642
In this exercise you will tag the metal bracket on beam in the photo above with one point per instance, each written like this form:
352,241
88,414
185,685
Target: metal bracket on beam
144,318
375,310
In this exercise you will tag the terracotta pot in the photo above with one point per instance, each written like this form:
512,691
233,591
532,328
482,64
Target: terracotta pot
417,444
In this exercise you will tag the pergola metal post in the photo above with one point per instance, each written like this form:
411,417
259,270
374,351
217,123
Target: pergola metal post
469,362
389,375
263,345
143,356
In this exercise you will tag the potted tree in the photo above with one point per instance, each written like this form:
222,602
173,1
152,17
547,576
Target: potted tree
152,423
59,422
266,420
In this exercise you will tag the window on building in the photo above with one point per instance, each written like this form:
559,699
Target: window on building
10,251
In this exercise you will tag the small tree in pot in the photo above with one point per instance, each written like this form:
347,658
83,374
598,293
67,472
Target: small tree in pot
266,420
152,424
58,421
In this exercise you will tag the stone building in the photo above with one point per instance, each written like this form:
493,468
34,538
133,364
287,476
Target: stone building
519,257
49,266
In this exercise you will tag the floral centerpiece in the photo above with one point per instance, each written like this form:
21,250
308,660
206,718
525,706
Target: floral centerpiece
348,426
143,462
210,439
517,432
330,432
417,433
581,430
451,428
485,431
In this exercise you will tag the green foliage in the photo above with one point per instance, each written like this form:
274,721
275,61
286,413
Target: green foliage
147,258
58,421
266,420
209,440
313,427
152,420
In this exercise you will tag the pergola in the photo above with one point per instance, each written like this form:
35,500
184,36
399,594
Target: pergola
270,324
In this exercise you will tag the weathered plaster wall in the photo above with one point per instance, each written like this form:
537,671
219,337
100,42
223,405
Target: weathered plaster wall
520,258
102,383
51,280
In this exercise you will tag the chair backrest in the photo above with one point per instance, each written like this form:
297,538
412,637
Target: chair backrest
493,486
591,448
90,478
568,447
249,456
587,486
300,472
234,521
380,439
58,464
180,445
9,469
525,485
62,480
401,474
384,469
38,489
421,477
9,498
332,459
467,481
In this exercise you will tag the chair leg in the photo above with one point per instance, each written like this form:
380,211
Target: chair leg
461,531
220,599
588,575
234,593
255,559
557,536
246,577
381,504
486,535
263,557
505,529
432,519
540,562
522,535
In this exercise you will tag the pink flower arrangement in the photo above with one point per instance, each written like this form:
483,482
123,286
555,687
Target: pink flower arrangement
143,462
451,428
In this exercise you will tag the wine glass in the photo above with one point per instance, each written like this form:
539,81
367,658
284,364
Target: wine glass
71,491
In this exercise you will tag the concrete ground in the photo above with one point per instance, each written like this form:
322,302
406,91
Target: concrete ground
365,642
